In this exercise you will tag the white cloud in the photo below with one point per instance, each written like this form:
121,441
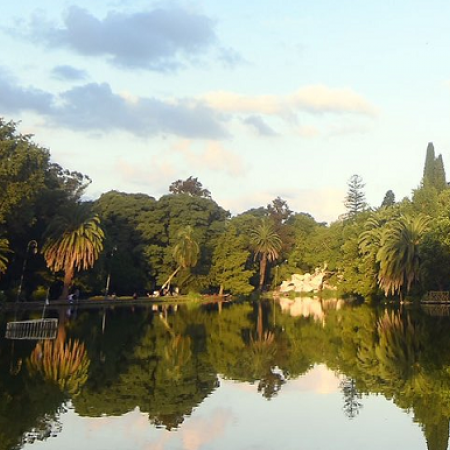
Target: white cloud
204,430
315,99
323,204
211,156
308,131
319,379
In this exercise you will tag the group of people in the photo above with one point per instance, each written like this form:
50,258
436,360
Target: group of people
74,296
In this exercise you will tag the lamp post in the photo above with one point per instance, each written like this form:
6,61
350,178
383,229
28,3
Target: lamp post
108,278
31,245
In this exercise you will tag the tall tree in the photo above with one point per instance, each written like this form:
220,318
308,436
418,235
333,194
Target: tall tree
399,255
428,169
121,216
355,200
389,199
433,171
74,242
185,252
22,173
228,264
190,186
279,211
440,182
266,244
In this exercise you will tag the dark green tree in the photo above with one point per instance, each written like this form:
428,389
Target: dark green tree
185,252
389,199
434,171
428,169
279,211
229,261
122,215
22,173
159,229
190,186
440,181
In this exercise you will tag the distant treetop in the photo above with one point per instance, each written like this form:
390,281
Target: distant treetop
355,200
190,186
433,171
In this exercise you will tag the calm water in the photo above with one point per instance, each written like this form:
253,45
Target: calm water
285,375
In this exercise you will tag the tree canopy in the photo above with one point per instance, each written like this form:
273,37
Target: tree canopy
190,186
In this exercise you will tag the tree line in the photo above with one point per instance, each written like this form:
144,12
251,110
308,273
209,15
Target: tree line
53,243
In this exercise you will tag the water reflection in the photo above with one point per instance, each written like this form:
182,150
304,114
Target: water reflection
165,364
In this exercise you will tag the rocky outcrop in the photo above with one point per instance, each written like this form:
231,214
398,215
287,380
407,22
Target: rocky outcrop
309,306
304,283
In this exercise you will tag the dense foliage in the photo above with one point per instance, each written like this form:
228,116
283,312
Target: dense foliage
137,244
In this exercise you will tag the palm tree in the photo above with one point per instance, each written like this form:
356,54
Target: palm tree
398,255
266,244
63,363
74,242
185,252
4,250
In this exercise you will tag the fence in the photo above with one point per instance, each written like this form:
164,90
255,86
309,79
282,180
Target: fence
32,329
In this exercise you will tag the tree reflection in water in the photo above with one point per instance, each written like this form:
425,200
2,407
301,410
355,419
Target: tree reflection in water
260,358
61,361
352,398
167,365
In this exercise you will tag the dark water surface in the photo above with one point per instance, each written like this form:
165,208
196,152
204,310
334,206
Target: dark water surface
283,374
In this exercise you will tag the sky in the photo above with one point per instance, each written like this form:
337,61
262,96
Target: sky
235,415
257,99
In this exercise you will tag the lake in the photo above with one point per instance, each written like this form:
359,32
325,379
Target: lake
271,374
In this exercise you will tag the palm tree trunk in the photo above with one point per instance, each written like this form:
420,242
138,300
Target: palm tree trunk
260,327
68,277
167,283
262,270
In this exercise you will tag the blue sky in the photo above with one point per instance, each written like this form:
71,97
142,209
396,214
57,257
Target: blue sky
257,99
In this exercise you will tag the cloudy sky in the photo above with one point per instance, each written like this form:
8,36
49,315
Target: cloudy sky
257,99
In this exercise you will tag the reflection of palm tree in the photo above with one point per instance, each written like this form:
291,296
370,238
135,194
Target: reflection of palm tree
64,363
398,352
176,355
74,242
260,358
267,245
437,434
399,253
4,250
185,252
262,353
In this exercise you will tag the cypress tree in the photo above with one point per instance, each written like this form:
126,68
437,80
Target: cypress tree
428,170
433,171
439,180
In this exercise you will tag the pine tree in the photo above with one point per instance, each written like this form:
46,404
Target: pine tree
355,201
